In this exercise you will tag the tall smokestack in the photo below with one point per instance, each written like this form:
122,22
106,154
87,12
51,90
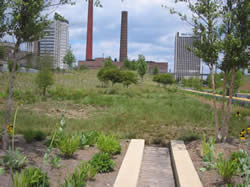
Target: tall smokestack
89,46
124,37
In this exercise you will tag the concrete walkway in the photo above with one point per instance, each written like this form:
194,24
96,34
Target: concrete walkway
156,170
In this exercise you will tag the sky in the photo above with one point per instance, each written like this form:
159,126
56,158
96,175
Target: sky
151,28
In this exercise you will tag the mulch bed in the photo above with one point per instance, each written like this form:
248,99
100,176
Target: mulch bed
211,177
35,152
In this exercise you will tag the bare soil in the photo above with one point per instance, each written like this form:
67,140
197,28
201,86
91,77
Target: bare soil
211,178
35,152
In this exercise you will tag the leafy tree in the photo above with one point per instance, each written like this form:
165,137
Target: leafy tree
130,65
155,70
235,32
101,77
218,80
205,20
108,63
141,66
69,58
164,79
113,75
44,79
26,23
128,78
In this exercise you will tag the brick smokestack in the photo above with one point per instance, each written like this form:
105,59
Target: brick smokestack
124,37
89,46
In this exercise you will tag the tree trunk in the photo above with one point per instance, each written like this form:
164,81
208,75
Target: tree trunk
5,138
229,106
215,107
223,100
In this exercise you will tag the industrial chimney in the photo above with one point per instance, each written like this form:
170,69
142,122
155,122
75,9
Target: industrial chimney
89,46
124,37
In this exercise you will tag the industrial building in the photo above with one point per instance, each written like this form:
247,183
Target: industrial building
186,64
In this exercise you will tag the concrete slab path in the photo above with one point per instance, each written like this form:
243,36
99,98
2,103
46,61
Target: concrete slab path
156,170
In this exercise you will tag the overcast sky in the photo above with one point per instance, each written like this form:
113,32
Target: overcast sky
151,28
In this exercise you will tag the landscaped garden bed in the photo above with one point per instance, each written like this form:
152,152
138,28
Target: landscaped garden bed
93,161
208,170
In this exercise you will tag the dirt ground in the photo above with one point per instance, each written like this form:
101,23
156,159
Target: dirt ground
211,178
35,152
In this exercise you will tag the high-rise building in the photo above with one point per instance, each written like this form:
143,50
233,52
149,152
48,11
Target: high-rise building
186,64
55,43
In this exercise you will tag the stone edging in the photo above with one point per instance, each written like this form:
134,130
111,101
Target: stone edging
184,171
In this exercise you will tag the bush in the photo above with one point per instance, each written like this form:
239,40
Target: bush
242,160
92,137
14,160
44,79
31,135
109,144
155,70
68,145
102,163
128,78
226,168
164,79
30,177
80,176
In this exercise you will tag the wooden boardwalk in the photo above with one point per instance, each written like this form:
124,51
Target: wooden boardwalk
156,170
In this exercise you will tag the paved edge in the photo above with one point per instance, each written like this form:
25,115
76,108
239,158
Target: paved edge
130,169
184,171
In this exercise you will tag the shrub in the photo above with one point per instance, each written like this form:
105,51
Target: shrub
141,66
80,176
109,144
30,177
102,163
44,79
68,145
128,78
164,79
55,162
242,160
226,168
155,70
14,160
208,149
31,135
92,137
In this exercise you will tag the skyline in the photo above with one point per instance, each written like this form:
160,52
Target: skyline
153,37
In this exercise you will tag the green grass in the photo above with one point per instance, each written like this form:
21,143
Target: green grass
142,111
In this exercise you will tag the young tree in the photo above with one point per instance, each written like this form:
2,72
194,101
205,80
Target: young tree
205,19
108,63
164,79
141,66
26,23
44,79
128,78
235,33
155,70
69,58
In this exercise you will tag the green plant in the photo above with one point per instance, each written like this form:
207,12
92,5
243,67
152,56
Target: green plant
92,137
31,135
44,79
208,149
2,171
55,162
102,163
241,158
68,145
226,168
109,144
14,160
30,177
155,70
80,176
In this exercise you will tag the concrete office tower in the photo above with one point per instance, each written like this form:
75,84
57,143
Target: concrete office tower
89,47
186,64
124,37
55,43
